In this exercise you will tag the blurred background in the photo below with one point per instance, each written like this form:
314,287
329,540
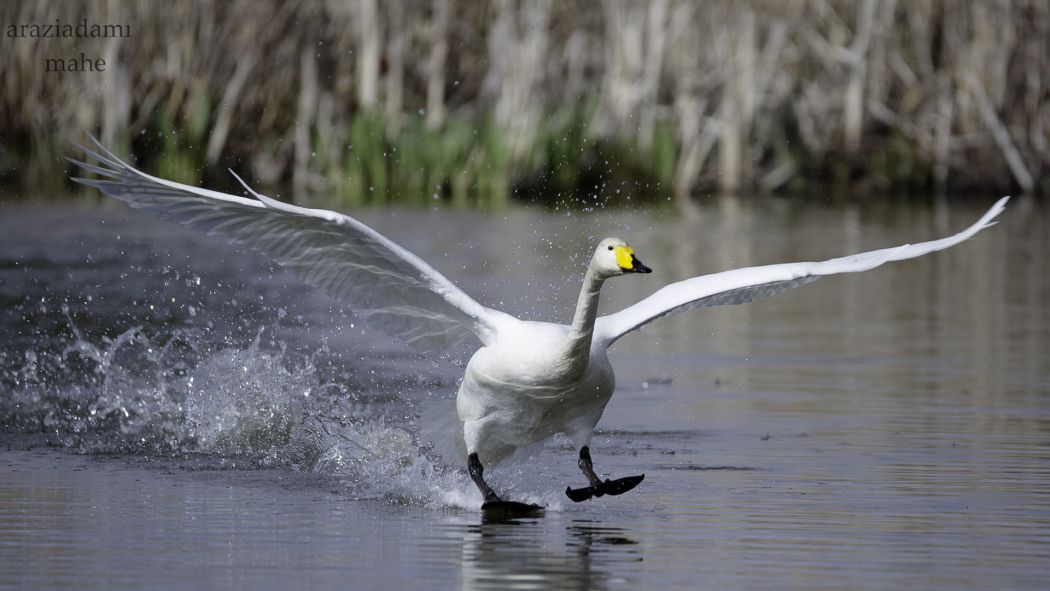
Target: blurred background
354,102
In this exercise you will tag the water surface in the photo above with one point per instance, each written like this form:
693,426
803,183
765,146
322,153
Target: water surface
179,413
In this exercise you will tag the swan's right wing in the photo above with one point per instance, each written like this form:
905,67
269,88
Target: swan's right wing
740,286
388,287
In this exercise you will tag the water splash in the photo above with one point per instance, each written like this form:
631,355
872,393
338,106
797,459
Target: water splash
172,394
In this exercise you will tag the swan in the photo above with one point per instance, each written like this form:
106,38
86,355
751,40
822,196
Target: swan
527,380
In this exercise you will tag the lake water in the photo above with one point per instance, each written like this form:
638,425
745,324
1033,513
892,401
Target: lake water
177,413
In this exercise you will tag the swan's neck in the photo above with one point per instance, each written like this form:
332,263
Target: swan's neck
583,322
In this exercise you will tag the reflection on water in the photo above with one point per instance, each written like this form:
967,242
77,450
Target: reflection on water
886,429
526,554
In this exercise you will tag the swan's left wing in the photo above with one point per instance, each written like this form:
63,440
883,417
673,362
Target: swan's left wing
740,286
388,287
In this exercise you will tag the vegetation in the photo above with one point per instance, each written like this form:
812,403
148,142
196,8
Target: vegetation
368,102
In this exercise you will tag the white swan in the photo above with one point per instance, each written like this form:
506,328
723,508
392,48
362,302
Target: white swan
528,380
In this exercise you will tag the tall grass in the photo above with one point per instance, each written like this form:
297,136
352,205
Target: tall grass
471,103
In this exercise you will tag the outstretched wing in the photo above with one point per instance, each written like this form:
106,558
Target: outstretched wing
388,287
740,286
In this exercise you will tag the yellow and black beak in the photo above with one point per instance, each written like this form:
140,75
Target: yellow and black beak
628,262
637,266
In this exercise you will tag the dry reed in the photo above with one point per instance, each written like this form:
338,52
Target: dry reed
405,100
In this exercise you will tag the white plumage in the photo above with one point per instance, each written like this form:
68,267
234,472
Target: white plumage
528,380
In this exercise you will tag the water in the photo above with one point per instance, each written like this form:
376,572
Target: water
177,413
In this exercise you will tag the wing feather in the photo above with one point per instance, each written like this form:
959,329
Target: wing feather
390,288
740,286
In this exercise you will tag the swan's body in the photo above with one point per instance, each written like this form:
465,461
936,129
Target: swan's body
527,380
525,388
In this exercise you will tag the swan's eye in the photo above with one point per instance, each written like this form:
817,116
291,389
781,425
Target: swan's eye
610,248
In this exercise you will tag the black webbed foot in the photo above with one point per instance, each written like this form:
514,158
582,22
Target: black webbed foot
500,510
495,507
598,486
578,495
606,487
621,485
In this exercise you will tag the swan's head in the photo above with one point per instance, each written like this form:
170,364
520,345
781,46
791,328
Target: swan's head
613,258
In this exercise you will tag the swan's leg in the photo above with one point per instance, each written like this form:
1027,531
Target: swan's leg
598,486
477,472
588,469
475,434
